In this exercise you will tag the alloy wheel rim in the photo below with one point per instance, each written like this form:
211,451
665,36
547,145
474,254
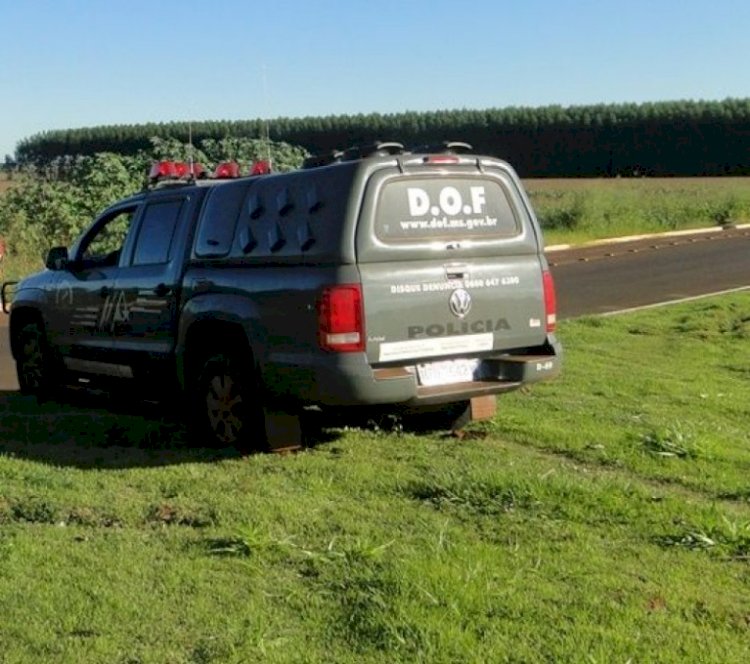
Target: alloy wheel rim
32,363
223,407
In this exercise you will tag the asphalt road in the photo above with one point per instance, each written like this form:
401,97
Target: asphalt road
609,277
623,275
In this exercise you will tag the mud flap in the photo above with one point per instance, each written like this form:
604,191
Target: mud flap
283,431
478,409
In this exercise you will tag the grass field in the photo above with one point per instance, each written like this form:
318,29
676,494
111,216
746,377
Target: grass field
604,517
576,211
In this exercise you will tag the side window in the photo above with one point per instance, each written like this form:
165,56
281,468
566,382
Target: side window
157,230
104,245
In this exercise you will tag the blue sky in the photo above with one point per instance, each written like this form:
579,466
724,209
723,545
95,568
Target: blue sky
76,63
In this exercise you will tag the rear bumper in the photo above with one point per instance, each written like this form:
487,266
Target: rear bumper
499,374
348,380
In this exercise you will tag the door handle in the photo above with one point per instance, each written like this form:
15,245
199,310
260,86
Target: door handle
161,290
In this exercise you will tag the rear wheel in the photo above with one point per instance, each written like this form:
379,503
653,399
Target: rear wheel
228,404
33,364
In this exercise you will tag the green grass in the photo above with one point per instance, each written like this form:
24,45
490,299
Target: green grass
603,517
576,211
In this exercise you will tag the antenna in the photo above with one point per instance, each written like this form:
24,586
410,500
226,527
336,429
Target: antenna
190,149
267,123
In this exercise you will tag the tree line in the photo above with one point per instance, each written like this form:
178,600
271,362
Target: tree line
659,139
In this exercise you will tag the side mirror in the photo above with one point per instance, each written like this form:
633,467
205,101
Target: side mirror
57,258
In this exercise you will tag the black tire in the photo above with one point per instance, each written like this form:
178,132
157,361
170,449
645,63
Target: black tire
33,364
228,408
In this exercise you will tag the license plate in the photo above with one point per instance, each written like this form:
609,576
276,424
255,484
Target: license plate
447,372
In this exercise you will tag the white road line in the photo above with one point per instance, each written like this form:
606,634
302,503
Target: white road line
670,302
633,238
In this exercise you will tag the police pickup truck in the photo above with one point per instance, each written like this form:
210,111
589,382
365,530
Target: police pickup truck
408,280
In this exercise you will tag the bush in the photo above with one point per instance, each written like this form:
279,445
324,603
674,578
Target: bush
52,204
566,214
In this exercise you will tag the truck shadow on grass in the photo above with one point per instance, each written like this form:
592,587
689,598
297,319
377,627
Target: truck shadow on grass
90,429
104,431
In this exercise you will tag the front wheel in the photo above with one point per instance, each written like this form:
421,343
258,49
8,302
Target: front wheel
228,404
33,364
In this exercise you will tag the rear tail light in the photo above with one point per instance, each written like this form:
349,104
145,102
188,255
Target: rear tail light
340,319
441,159
550,301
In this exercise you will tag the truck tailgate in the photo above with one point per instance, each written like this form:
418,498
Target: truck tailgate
420,310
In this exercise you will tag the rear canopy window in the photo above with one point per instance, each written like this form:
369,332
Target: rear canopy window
444,209
157,230
220,214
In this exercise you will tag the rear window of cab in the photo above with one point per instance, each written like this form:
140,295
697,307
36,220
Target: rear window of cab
444,209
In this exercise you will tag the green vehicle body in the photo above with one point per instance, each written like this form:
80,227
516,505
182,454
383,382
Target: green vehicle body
390,278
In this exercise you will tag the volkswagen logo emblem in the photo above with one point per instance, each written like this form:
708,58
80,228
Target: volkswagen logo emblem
460,302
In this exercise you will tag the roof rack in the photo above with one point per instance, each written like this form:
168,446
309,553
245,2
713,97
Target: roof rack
444,147
384,149
375,149
332,157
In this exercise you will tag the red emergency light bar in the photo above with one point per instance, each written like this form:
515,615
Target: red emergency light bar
226,170
231,169
261,167
180,170
175,170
